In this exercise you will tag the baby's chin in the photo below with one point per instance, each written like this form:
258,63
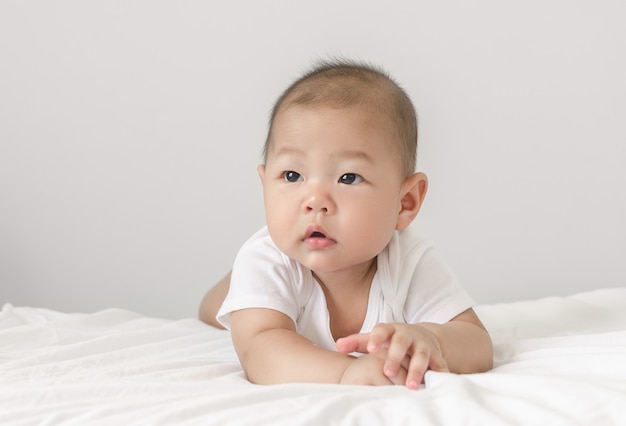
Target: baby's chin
355,269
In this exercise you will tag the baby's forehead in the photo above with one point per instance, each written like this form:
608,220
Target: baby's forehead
290,121
368,113
365,118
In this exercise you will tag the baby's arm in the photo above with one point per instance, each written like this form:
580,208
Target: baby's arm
213,300
461,345
271,351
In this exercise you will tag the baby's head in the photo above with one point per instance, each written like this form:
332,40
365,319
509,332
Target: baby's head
338,178
342,84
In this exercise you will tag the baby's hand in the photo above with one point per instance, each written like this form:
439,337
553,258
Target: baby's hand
368,370
399,341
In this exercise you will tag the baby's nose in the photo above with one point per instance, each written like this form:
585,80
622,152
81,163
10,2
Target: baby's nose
319,201
312,207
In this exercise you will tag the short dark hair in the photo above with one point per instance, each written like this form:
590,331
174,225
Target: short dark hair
343,84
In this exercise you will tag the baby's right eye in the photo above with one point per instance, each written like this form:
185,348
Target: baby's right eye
291,176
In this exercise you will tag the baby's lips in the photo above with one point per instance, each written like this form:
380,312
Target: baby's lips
319,243
316,237
315,231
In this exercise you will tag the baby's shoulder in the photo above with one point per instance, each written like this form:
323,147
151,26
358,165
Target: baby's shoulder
261,254
260,244
408,244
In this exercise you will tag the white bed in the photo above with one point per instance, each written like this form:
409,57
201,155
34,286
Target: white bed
558,360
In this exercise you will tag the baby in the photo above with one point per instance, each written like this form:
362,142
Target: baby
336,272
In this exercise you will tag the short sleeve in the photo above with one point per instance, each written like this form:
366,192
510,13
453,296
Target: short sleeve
434,294
263,277
417,285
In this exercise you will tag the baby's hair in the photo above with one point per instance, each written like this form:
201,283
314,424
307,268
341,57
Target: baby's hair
343,84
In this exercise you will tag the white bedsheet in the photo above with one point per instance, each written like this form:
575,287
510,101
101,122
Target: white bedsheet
557,361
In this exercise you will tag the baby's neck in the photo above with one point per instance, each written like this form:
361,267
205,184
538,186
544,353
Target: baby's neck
347,297
348,280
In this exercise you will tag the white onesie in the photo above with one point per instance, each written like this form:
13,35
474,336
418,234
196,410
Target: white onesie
412,284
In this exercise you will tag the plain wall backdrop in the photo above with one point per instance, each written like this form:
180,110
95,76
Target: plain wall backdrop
130,132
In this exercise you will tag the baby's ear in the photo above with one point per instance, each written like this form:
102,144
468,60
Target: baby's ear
261,170
413,194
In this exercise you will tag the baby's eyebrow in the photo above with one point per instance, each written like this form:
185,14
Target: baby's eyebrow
287,150
355,154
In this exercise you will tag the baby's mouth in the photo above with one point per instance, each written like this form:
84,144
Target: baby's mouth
315,231
316,238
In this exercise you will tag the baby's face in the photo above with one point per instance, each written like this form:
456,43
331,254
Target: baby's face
332,186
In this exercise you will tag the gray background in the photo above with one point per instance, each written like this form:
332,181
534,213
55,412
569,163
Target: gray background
130,132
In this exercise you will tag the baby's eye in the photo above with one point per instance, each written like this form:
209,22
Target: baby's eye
350,179
291,176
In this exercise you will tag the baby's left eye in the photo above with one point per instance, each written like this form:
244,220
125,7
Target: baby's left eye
350,179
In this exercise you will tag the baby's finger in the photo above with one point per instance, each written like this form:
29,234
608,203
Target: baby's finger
353,343
420,360
380,335
396,353
401,376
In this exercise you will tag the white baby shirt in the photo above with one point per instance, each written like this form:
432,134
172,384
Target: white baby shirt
412,284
